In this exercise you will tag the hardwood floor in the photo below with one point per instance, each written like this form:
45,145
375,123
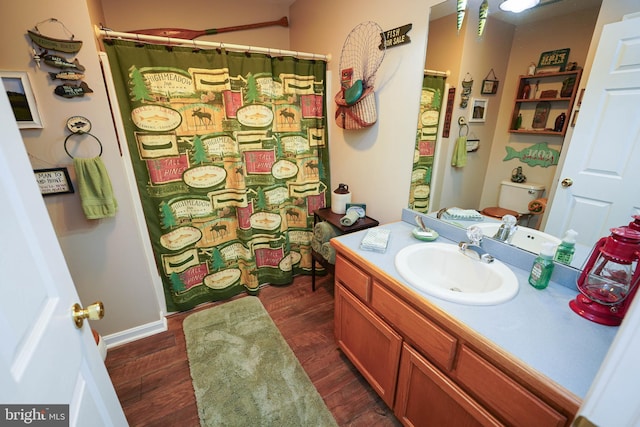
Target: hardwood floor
152,379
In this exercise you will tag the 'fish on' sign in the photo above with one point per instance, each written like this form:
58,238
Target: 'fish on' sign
67,75
70,91
536,155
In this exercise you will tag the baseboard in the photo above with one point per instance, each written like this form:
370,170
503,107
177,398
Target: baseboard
136,333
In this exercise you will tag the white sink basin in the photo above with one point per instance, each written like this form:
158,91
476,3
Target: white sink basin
441,270
525,238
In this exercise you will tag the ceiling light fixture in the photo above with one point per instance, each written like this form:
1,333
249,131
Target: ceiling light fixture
517,6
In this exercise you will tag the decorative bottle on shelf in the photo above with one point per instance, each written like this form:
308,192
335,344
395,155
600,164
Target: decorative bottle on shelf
526,90
517,122
560,122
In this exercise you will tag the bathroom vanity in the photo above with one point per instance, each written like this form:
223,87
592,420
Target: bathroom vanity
527,362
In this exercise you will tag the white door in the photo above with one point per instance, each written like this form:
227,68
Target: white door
604,163
603,160
44,358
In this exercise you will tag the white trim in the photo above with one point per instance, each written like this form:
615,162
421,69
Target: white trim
133,334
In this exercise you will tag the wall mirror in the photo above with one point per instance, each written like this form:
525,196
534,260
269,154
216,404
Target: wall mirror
476,185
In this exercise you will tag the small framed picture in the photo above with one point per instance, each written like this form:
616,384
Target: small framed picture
478,112
53,181
23,103
489,87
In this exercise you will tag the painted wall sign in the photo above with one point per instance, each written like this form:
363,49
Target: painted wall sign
536,155
396,37
553,61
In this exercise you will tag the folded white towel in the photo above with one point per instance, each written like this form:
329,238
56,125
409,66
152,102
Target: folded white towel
376,240
462,214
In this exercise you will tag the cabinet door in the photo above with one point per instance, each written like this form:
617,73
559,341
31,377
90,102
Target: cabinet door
371,345
426,397
507,399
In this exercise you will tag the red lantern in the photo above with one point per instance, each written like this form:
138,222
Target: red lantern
608,281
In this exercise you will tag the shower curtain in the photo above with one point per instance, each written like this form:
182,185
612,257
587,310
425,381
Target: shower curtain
426,138
230,156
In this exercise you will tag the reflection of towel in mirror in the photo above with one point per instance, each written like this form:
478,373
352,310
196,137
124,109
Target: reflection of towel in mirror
459,158
462,214
94,186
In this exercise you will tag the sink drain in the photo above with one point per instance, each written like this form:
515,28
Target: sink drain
454,289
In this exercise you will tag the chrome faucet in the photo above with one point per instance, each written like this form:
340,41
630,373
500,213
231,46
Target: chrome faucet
507,229
474,246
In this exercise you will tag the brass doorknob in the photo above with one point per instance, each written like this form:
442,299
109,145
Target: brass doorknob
94,311
567,182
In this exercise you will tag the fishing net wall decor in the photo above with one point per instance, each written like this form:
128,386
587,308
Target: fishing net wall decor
362,54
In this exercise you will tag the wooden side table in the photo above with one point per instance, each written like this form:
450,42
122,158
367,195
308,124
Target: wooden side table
325,214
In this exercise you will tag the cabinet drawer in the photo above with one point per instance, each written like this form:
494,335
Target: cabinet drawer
434,342
506,398
353,278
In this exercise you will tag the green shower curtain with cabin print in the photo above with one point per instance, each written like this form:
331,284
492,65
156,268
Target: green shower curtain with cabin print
230,155
431,103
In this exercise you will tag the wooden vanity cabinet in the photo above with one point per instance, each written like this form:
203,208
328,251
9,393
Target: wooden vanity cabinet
427,397
371,345
430,369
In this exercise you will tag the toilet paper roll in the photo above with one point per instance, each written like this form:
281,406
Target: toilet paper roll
537,206
350,218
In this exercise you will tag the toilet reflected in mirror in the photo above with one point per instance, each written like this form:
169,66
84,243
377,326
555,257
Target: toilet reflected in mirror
515,199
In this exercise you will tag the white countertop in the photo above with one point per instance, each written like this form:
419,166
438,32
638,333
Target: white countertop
537,326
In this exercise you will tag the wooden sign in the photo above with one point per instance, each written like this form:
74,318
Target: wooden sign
553,61
396,37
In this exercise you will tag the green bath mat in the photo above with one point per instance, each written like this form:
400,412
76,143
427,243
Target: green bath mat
244,372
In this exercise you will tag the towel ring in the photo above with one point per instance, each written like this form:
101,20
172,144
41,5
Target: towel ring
80,133
463,125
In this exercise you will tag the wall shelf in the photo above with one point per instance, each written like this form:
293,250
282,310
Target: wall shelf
528,100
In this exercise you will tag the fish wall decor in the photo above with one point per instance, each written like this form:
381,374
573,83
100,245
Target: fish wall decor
536,155
58,61
70,91
461,8
67,75
483,13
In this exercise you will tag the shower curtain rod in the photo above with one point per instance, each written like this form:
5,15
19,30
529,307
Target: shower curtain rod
437,73
107,33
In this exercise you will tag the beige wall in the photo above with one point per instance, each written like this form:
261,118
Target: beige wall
476,57
127,15
106,257
375,162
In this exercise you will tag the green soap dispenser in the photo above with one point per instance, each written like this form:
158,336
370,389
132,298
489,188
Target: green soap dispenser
542,267
566,249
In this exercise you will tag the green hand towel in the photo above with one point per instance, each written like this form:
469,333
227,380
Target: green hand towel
328,252
459,158
94,186
323,231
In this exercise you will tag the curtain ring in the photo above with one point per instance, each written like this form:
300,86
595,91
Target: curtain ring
80,133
